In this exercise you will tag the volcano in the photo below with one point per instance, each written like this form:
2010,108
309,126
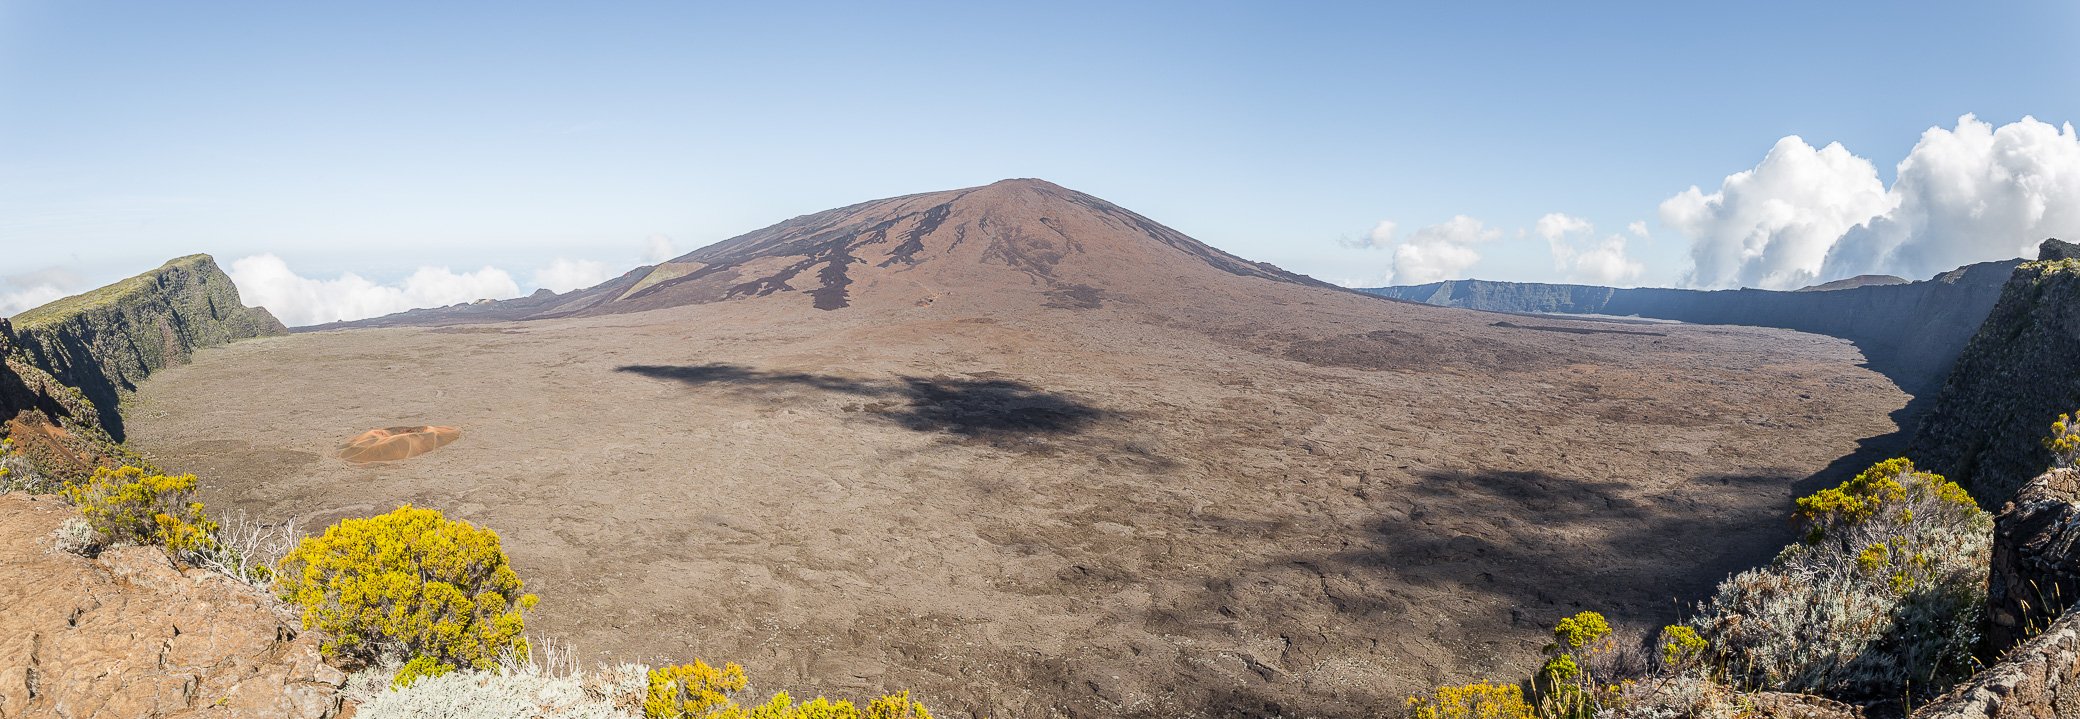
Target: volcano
1014,242
1025,452
1063,246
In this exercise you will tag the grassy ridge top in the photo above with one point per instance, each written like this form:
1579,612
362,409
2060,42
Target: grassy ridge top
65,308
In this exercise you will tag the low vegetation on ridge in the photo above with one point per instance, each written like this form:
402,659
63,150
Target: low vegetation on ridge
1882,600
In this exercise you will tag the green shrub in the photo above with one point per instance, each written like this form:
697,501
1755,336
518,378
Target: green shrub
1883,598
411,585
127,505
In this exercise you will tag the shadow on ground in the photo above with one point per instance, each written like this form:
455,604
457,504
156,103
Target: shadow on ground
1539,546
974,407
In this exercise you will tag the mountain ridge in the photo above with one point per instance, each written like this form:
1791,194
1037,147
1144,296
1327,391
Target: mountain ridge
1985,428
1911,332
104,341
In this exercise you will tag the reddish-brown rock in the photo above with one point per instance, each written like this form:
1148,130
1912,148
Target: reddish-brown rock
394,443
128,634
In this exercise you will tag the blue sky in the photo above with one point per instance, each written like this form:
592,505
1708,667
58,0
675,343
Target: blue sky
379,138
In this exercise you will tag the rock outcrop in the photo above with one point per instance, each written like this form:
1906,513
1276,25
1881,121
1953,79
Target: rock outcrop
105,341
127,634
1911,332
2036,558
2035,567
2011,381
2039,680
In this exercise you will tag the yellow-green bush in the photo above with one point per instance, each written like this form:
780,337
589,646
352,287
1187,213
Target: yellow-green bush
1566,685
701,691
782,706
418,668
1893,485
896,706
411,585
1882,599
1472,701
1680,646
2064,442
691,690
128,505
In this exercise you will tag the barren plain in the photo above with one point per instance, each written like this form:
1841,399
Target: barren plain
1178,490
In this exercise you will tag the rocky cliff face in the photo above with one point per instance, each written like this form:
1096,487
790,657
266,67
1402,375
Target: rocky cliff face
104,342
27,389
52,423
2012,380
1911,332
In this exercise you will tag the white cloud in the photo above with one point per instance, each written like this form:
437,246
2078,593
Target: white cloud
1441,251
1638,228
1771,226
14,300
267,281
564,275
658,248
1381,237
1969,194
1583,258
1605,263
33,289
1556,226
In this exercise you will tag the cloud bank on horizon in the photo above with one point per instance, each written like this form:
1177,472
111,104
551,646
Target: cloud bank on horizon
296,300
299,300
1804,215
267,281
1969,194
30,289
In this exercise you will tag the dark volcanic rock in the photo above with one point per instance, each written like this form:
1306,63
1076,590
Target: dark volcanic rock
106,341
1910,332
2056,249
2036,567
2036,558
2016,376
